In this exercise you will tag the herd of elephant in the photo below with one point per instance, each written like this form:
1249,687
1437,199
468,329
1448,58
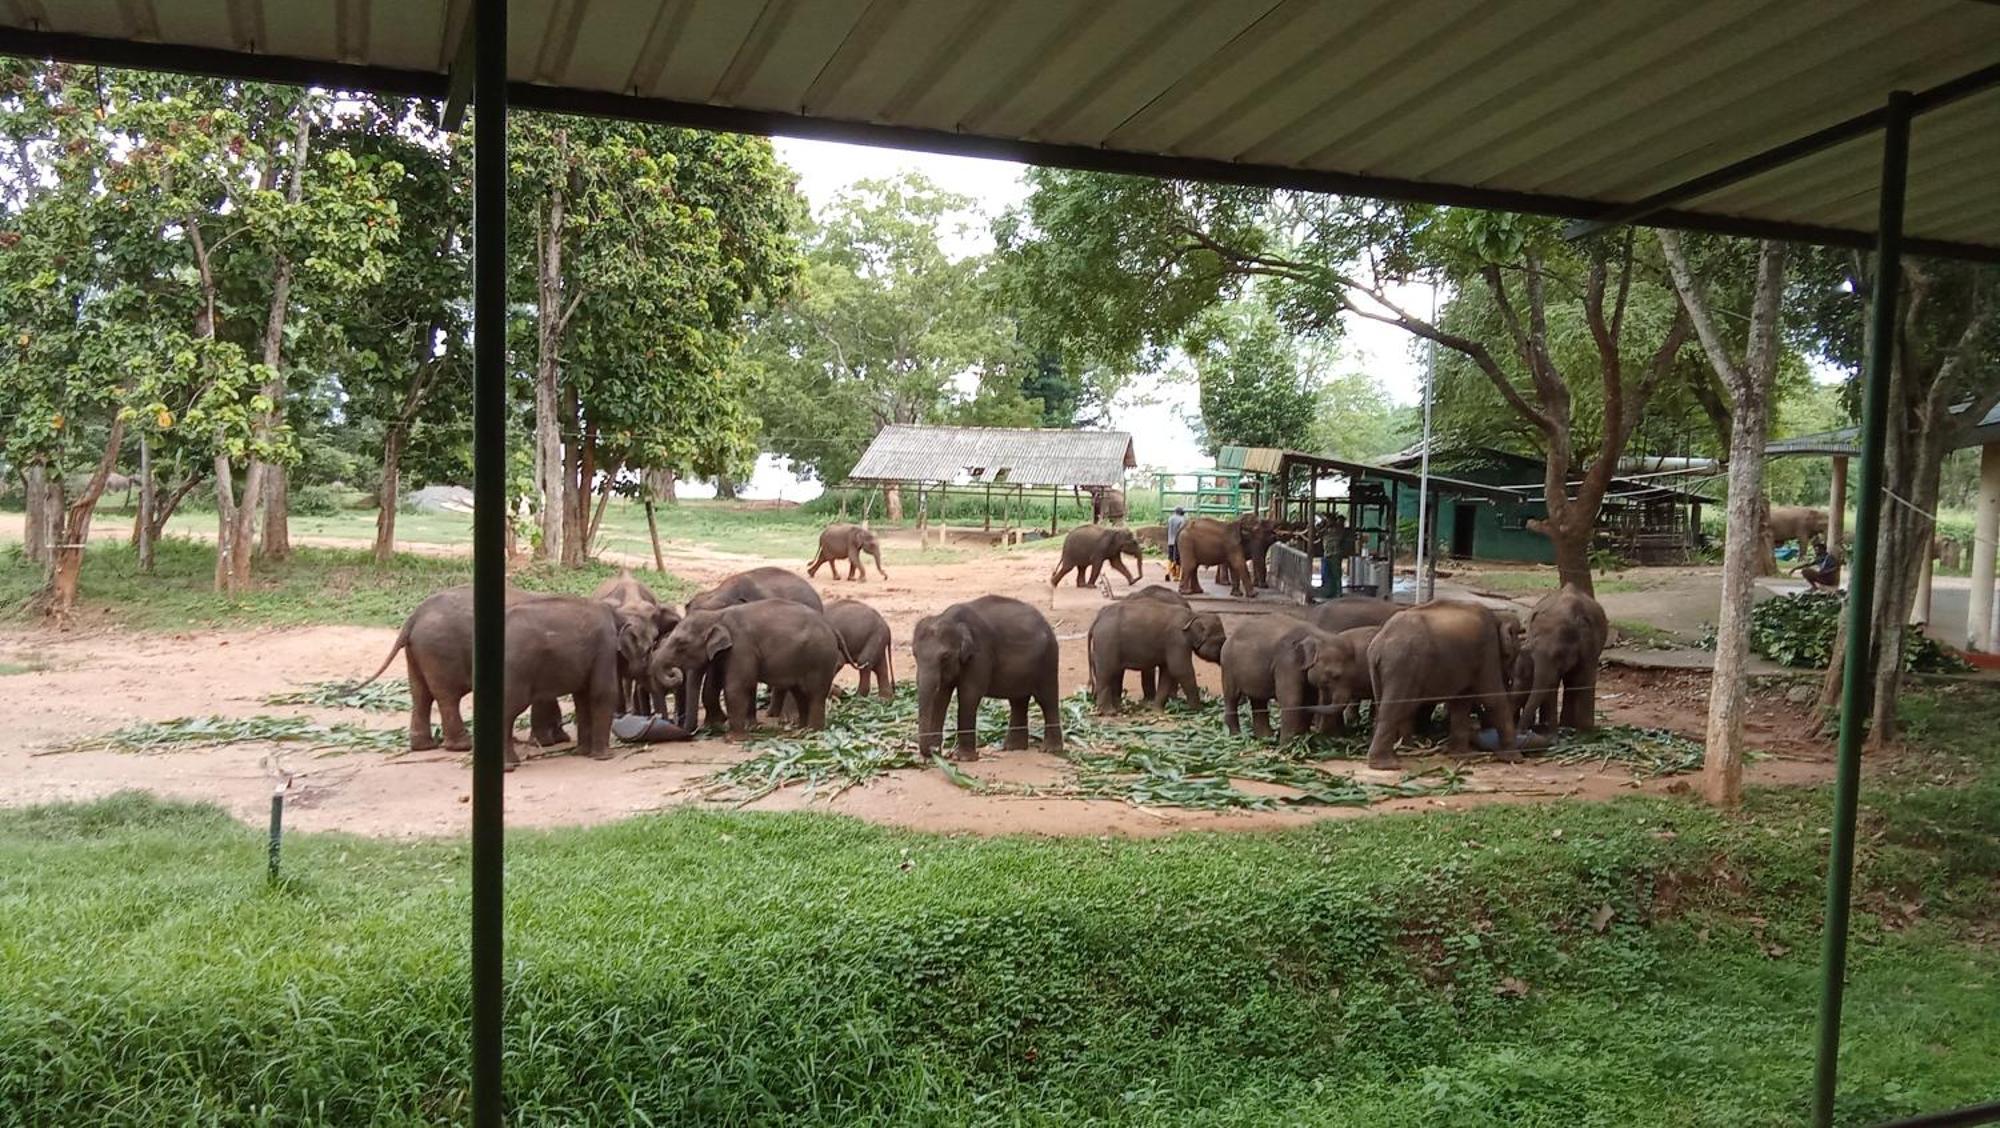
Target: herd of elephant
622,650
1237,549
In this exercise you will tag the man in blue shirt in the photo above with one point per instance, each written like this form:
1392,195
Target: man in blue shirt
1174,524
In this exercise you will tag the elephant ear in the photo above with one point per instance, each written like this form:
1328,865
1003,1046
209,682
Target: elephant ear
716,640
1307,649
967,649
666,619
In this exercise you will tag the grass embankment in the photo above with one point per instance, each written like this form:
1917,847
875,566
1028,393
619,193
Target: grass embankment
1643,962
314,586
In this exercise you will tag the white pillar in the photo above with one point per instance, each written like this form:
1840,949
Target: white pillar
1836,509
1986,527
1920,615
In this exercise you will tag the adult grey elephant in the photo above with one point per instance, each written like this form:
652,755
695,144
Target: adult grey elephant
847,542
1205,541
557,646
1088,548
696,686
1799,523
1349,611
1150,634
1446,651
775,642
864,639
991,646
1565,638
1278,658
642,621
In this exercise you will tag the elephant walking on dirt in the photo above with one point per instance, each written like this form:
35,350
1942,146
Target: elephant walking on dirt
777,642
1565,638
1278,658
992,646
557,646
847,542
864,640
1458,653
1148,635
1087,549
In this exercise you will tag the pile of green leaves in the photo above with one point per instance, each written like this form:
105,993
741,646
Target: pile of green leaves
214,731
1181,757
1798,630
391,695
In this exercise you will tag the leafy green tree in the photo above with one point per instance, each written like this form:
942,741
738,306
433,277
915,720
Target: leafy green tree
1124,266
1355,419
643,247
886,327
1253,390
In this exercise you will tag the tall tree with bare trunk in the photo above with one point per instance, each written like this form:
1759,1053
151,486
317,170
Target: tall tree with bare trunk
1749,374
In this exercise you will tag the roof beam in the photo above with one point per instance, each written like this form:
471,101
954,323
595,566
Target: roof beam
530,96
458,93
1943,94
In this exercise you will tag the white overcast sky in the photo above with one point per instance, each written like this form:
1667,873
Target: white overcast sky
1153,414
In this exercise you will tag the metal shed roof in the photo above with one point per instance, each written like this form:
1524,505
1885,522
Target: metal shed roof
1840,443
1017,455
1273,460
1566,107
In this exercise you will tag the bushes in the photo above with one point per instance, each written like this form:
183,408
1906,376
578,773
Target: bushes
1798,630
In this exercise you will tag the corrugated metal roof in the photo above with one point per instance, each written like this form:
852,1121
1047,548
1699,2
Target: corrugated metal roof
1840,443
1271,460
1563,106
1018,455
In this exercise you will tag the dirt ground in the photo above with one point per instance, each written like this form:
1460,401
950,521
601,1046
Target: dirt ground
88,683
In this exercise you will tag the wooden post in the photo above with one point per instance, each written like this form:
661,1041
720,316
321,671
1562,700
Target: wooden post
1985,529
1836,508
653,527
148,500
1921,613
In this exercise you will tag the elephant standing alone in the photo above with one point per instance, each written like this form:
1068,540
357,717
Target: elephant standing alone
992,646
1089,548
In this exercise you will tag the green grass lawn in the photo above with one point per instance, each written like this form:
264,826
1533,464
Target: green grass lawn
1647,962
317,585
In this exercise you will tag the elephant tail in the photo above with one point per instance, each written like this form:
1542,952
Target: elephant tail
402,640
889,657
841,645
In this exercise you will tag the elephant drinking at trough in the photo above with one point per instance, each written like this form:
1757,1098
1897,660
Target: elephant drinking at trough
776,642
1148,635
1565,637
847,542
1449,651
991,646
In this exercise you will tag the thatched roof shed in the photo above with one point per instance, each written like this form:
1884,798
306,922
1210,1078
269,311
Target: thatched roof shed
1019,456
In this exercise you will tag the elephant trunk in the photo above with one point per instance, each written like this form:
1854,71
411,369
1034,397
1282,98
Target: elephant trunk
879,570
932,693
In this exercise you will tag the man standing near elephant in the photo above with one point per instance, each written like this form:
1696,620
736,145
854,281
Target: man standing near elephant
1174,524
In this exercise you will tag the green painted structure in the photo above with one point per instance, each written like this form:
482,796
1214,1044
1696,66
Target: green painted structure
1477,529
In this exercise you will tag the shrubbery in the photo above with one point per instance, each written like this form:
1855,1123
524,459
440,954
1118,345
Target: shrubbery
1798,630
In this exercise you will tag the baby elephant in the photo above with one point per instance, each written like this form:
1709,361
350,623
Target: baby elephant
864,641
1086,550
774,641
847,542
1565,636
992,646
1149,634
1277,657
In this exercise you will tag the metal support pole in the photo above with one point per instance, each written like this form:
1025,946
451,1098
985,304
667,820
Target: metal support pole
1861,595
1985,534
489,548
1426,544
276,846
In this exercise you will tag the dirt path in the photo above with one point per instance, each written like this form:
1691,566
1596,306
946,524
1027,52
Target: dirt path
83,684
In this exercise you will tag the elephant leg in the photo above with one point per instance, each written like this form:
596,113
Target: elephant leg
545,722
1149,682
1110,679
456,738
1392,722
514,711
711,699
1017,724
1049,699
1190,585
1086,575
1118,564
1062,569
854,569
883,683
862,683
1260,718
1579,699
1179,674
1458,715
741,693
421,737
968,724
812,569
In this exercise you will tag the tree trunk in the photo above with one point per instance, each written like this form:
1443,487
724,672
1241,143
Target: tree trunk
149,498
277,513
725,488
576,476
1571,538
892,503
263,482
44,507
549,469
58,598
225,523
669,484
653,529
389,495
597,518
